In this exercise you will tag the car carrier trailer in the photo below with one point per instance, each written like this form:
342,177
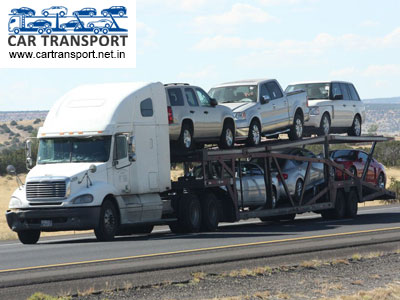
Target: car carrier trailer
104,163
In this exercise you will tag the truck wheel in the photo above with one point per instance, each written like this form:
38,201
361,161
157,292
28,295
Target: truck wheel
338,212
227,139
189,215
254,138
298,189
209,212
29,237
108,223
325,125
16,30
185,140
351,204
296,130
355,129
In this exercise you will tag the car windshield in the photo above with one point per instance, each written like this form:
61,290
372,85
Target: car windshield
237,93
74,150
314,90
347,155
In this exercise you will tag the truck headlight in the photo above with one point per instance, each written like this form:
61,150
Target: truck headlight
314,110
82,199
15,202
240,115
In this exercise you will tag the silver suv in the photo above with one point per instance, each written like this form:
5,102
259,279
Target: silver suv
195,118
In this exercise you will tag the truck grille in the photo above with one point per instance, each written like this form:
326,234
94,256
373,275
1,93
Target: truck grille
45,189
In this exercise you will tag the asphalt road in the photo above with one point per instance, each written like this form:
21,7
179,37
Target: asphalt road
70,257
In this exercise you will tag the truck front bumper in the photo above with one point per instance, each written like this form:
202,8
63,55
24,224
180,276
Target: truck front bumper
82,218
242,130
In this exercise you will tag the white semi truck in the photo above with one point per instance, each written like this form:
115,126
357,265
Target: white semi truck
104,163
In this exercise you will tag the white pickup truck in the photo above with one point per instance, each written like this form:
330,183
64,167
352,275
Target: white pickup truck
261,107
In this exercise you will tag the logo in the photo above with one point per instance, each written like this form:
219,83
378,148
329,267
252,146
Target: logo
88,34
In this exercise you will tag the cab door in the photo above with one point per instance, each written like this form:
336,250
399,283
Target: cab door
339,106
121,164
269,118
195,112
279,105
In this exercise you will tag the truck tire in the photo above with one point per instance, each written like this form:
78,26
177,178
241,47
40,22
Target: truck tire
254,137
185,141
108,223
297,129
209,212
29,237
339,211
227,139
355,129
189,215
325,125
351,204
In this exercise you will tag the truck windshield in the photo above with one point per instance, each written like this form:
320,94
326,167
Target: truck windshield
314,90
74,150
237,93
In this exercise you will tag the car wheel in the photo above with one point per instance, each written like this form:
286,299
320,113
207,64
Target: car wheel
121,13
351,207
30,25
91,14
105,14
30,14
209,212
62,27
107,25
254,137
91,25
14,11
62,14
46,25
325,125
185,140
29,237
189,215
298,189
45,14
296,131
108,223
227,139
381,183
355,129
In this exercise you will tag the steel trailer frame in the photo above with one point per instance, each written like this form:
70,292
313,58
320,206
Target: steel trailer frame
324,199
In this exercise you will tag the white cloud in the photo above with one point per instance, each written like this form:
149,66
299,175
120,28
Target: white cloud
382,70
209,72
344,72
177,5
239,14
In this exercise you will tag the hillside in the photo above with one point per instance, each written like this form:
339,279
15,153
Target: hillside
393,100
14,133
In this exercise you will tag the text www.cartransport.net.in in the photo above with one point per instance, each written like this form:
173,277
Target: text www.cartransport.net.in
68,54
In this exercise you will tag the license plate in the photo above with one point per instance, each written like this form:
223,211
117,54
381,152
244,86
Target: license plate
46,223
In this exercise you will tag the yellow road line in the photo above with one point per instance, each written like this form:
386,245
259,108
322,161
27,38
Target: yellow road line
199,250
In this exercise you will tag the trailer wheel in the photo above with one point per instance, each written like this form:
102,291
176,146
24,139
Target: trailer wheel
209,212
40,30
108,223
29,237
189,215
48,30
351,204
339,211
105,30
16,30
96,30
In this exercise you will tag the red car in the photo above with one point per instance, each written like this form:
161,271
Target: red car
354,161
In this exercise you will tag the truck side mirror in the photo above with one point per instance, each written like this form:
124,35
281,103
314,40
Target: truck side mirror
28,154
265,99
11,170
132,148
213,102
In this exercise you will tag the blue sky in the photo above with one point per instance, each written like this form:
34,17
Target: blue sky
206,42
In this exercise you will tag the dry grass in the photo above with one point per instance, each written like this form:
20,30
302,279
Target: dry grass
311,264
23,134
389,292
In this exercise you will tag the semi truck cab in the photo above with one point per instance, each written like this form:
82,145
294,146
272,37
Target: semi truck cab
103,161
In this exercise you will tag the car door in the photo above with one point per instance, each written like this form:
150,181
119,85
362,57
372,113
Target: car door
245,186
212,124
348,109
195,112
268,116
339,106
316,170
258,186
362,160
279,105
355,102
